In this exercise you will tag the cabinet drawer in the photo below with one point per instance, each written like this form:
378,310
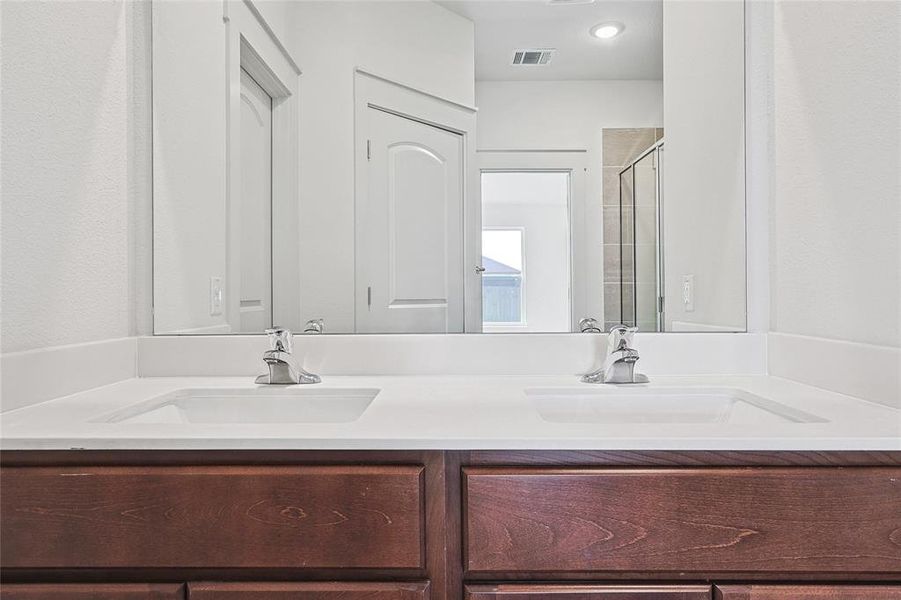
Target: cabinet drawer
775,520
223,517
807,592
587,592
92,591
309,591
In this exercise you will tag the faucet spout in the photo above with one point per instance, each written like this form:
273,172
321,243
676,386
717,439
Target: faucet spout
282,364
619,364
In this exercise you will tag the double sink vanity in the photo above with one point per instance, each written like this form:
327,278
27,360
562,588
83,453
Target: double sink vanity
453,200
450,488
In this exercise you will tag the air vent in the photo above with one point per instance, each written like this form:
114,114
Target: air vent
533,56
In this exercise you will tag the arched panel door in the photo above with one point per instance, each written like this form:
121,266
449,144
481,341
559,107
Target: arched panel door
409,254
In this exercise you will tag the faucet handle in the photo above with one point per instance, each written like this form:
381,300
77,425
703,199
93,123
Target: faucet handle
621,337
280,339
589,325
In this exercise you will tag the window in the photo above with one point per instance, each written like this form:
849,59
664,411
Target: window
502,258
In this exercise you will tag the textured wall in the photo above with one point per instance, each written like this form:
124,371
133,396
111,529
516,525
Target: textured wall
835,220
65,214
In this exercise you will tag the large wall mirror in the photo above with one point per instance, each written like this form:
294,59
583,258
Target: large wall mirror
448,166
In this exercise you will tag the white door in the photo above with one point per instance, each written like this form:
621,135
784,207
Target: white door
254,252
409,240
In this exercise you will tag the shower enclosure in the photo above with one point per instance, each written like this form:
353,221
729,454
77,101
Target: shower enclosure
641,241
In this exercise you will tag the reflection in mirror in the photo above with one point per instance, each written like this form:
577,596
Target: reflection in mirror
456,166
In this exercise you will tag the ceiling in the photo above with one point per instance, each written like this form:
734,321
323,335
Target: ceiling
504,25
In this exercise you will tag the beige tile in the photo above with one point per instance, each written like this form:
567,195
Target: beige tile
646,225
611,186
611,302
628,306
611,225
621,146
625,181
646,263
613,264
627,228
645,182
658,134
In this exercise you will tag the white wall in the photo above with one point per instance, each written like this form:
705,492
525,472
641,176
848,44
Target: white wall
66,212
836,212
419,44
569,115
704,163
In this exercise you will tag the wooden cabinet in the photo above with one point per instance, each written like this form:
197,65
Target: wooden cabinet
409,525
587,592
807,592
308,591
92,591
710,521
340,517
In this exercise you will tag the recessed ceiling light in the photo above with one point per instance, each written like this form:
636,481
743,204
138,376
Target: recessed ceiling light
605,31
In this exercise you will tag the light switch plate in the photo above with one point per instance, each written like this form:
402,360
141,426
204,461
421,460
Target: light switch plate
215,296
688,293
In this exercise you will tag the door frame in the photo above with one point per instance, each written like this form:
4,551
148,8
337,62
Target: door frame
380,93
252,45
581,263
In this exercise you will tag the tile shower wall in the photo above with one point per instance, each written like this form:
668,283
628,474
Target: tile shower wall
620,147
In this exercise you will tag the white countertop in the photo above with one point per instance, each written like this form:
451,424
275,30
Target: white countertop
451,413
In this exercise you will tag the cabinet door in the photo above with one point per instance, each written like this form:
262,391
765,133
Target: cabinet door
587,592
92,591
589,522
808,592
308,591
355,516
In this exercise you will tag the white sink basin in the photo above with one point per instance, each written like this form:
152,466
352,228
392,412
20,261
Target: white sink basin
254,405
640,404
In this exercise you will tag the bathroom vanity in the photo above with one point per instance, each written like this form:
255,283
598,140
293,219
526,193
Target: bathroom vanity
434,488
430,525
465,172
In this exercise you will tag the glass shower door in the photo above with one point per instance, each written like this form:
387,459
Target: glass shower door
641,243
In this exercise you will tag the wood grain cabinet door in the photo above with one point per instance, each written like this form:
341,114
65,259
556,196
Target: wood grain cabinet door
92,591
706,522
308,591
587,592
807,592
362,517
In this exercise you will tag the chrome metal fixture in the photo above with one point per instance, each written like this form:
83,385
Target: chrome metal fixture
284,369
619,364
589,325
314,326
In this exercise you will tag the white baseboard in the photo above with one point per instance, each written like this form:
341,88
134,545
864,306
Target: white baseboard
861,370
37,375
490,354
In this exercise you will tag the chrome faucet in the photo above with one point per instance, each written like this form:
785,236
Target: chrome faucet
619,364
284,369
314,326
